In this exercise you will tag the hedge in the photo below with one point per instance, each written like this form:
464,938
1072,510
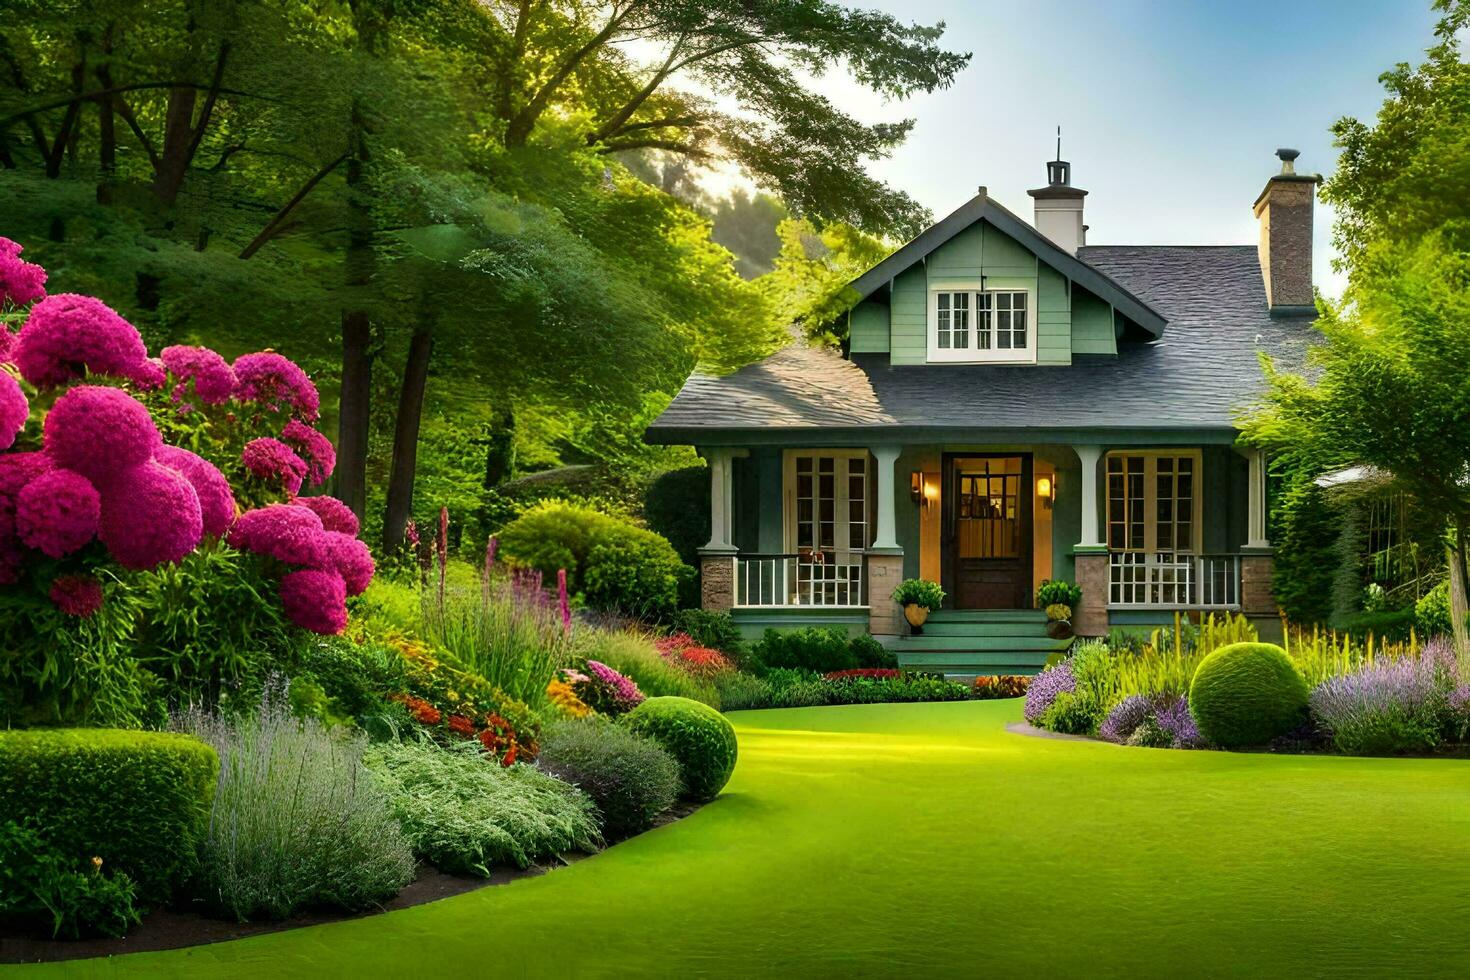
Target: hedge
138,800
699,738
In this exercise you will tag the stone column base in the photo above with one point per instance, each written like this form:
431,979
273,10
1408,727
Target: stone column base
1090,618
1256,598
885,617
717,581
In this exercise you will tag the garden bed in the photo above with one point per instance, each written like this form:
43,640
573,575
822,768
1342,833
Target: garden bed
181,928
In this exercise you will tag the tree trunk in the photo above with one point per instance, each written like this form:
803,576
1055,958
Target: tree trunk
406,439
1459,585
107,150
357,369
178,136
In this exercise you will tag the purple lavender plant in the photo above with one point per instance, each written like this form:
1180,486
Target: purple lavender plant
1172,715
1045,686
609,692
1386,707
1126,716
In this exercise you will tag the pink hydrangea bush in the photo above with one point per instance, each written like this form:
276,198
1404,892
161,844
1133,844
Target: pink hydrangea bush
216,500
57,513
14,407
277,383
21,282
100,433
316,449
273,462
334,514
212,377
150,515
315,600
67,337
293,536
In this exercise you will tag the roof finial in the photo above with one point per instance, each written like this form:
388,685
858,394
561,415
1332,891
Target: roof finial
1059,142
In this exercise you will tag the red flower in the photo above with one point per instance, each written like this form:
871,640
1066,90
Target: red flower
510,756
461,725
491,740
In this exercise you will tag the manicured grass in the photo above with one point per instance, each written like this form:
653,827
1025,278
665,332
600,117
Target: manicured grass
889,839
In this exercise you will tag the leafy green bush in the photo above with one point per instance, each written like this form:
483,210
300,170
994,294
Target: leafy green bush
739,691
630,778
1057,592
919,592
868,652
677,507
715,630
354,676
465,814
1432,614
782,688
297,820
1306,532
612,564
70,895
633,653
1247,694
696,735
1386,624
1072,713
138,800
818,649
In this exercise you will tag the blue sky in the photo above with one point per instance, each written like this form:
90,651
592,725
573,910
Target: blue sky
1170,111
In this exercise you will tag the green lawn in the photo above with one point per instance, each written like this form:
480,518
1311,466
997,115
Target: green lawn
900,838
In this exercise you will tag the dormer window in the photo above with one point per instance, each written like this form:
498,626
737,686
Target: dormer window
981,325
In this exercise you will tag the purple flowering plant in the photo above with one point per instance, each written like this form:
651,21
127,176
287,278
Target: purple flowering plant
1045,687
1388,706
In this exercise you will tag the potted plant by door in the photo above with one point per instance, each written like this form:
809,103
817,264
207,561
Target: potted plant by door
918,598
1058,599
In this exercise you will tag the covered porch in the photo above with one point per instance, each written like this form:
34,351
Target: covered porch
823,534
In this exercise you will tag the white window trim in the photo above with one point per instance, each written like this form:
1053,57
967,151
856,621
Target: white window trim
1022,355
788,496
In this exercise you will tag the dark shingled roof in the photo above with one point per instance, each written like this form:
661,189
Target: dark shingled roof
1195,377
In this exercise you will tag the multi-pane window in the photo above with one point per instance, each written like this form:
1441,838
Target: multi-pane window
974,325
1151,502
831,497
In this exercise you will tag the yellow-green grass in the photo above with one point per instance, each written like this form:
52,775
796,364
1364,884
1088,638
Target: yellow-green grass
926,839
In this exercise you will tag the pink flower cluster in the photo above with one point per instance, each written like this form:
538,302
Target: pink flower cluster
276,382
68,336
315,538
14,408
274,462
608,691
21,282
213,378
316,449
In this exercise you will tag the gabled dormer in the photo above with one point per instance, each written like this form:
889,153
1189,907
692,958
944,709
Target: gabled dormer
983,286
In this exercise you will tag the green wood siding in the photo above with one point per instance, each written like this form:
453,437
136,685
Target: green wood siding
868,328
980,250
1092,324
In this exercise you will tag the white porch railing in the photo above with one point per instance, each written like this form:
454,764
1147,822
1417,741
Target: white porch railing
814,579
1173,580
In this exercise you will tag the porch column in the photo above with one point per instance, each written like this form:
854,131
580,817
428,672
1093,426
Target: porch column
717,558
1256,519
885,537
885,557
1089,456
1090,556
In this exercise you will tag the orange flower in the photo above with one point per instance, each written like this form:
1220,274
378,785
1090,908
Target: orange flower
461,725
510,756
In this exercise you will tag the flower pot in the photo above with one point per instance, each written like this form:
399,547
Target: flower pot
916,615
1058,629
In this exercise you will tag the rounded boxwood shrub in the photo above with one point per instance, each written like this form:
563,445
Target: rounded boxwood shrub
1247,694
630,778
699,738
138,800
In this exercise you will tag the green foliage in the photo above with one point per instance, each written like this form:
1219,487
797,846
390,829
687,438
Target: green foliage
868,652
746,225
1056,592
919,592
466,814
353,677
1150,735
1246,694
297,822
677,507
801,689
1307,530
630,778
1432,616
633,654
1080,711
812,273
710,629
817,649
612,564
696,735
739,691
41,887
138,800
1393,625
1072,713
1164,662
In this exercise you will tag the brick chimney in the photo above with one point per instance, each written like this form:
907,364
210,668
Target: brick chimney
1058,206
1284,210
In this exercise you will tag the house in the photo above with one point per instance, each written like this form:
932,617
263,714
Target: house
1015,406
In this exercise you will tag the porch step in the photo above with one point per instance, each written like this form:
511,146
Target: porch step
980,641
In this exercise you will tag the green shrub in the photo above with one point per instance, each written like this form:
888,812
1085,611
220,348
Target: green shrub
696,735
739,691
818,649
714,630
676,506
630,778
1150,735
1072,713
632,653
1432,614
1306,531
919,592
1058,592
70,895
1387,624
353,676
297,821
138,800
612,564
1247,694
868,652
465,814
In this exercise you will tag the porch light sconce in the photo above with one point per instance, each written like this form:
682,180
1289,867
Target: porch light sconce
1046,489
916,486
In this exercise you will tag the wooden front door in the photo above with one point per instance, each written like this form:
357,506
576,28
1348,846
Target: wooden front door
988,526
